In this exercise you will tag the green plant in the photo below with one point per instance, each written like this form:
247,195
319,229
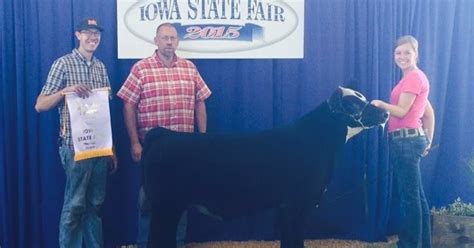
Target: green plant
458,207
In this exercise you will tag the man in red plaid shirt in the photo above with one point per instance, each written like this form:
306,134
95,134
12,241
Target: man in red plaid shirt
167,91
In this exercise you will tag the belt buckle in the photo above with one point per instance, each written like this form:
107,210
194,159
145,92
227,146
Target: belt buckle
416,132
397,134
411,132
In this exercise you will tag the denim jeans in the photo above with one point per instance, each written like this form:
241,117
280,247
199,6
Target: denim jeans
83,197
405,156
144,221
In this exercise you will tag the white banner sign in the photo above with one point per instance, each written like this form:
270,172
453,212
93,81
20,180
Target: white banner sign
214,28
90,124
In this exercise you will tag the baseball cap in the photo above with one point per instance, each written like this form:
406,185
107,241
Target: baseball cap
89,23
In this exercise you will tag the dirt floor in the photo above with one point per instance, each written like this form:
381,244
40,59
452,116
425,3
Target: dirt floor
326,243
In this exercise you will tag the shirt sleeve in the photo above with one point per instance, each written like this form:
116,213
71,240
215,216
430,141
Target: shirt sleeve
201,89
56,76
131,88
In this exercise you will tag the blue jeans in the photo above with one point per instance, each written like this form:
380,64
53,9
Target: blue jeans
144,221
405,157
83,197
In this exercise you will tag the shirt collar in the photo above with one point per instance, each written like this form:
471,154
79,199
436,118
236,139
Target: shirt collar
76,52
158,59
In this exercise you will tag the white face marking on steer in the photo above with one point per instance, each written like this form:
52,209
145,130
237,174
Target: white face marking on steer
352,131
349,92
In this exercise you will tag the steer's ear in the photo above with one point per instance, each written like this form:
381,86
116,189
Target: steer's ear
335,100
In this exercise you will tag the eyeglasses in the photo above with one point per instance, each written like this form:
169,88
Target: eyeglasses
91,33
168,38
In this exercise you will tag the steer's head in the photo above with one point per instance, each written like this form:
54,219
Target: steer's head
354,109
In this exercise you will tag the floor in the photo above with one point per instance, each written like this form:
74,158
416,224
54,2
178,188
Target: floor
326,243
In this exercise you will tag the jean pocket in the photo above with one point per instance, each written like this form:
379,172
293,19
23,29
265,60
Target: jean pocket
418,145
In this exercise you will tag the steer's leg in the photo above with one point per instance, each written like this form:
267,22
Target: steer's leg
164,221
292,223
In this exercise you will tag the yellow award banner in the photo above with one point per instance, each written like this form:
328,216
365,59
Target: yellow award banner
90,124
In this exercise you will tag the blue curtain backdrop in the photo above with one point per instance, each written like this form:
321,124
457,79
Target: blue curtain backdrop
344,41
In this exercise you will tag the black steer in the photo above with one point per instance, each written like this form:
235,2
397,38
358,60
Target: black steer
236,175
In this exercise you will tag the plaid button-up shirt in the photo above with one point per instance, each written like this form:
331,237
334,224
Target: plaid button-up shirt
165,96
69,70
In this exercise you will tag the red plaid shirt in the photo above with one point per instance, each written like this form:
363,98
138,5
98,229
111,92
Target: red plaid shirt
165,96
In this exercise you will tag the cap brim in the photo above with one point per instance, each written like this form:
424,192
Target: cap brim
90,27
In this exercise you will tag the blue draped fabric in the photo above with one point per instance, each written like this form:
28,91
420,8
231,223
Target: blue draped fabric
344,41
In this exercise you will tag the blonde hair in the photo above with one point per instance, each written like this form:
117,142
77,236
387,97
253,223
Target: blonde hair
407,39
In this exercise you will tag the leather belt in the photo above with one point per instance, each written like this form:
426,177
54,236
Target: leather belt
407,132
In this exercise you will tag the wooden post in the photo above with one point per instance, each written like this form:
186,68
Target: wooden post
452,231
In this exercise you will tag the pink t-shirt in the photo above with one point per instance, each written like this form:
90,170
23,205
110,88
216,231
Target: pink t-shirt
417,83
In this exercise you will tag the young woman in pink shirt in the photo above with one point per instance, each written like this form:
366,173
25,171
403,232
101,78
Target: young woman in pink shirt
411,128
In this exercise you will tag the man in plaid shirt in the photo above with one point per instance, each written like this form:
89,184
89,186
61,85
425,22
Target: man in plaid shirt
167,91
78,72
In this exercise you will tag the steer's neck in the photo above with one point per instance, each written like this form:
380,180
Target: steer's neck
321,123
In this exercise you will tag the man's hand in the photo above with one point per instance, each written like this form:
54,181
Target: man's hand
136,151
46,102
81,90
